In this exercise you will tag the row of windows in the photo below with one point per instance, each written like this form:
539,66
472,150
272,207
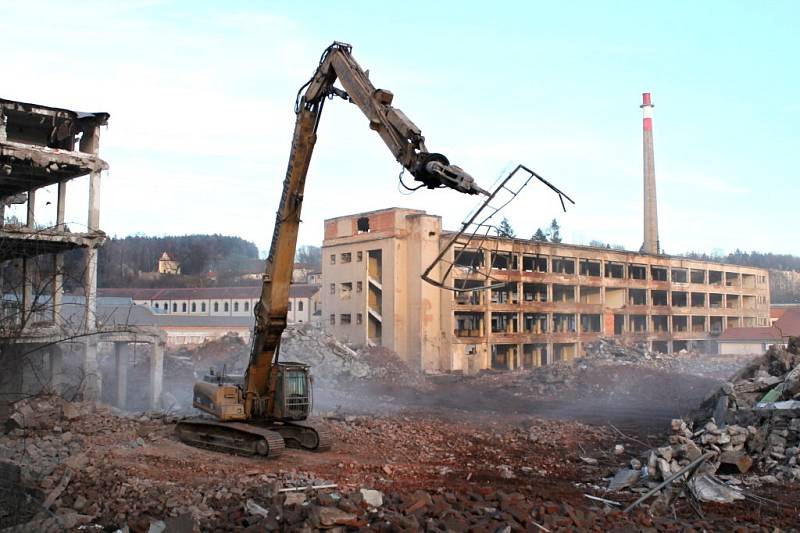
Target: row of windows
597,268
345,319
299,305
184,307
347,257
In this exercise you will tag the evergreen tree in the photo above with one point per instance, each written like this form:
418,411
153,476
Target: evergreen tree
554,231
505,229
539,236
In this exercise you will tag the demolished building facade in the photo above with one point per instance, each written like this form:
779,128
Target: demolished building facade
42,146
554,299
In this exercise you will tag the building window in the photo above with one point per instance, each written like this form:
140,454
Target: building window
156,305
344,318
203,307
359,286
235,307
226,307
333,259
359,256
247,306
333,319
345,291
289,307
166,306
194,307
174,308
183,307
216,307
359,318
300,305
333,288
347,257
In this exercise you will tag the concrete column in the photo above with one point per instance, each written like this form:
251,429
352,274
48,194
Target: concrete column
156,374
56,370
27,267
122,351
58,259
92,382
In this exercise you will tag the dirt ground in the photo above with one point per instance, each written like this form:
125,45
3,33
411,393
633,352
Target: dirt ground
484,453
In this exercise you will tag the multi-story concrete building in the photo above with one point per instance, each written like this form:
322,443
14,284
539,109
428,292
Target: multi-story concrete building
554,297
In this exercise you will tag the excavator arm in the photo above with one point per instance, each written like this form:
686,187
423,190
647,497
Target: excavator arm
405,141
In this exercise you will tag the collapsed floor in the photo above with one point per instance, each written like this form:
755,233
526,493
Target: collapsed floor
446,454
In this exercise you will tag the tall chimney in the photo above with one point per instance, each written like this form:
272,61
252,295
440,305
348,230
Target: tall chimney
651,244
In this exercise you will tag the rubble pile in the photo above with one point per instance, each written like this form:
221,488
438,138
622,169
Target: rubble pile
616,350
750,425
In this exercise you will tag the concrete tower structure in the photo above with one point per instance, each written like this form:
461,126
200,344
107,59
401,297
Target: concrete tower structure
651,244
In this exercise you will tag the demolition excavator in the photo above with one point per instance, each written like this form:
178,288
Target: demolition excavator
268,408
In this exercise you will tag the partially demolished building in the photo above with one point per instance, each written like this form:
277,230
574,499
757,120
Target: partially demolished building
40,335
555,298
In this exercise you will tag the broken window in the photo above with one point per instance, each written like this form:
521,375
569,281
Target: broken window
563,323
658,273
534,292
505,294
715,300
748,302
346,257
749,321
732,301
470,259
563,293
680,323
619,324
468,324
345,291
362,225
660,323
637,271
615,270
715,277
563,351
333,259
503,356
638,323
749,281
637,296
563,265
359,286
344,318
659,298
504,323
680,275
732,279
464,296
359,256
698,324
590,323
535,323
590,295
534,263
680,299
359,318
731,322
697,276
698,299
504,261
615,297
589,267
534,355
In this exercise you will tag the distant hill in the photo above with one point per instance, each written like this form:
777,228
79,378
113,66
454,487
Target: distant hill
784,271
121,260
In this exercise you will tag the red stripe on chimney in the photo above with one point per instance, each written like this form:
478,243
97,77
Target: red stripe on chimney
648,124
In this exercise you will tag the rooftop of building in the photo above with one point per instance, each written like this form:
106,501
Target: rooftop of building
296,290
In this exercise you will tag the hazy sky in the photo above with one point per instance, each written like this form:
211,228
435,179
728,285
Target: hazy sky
201,97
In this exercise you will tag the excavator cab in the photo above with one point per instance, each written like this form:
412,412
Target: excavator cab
293,396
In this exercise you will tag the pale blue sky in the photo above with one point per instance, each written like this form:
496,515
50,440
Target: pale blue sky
201,95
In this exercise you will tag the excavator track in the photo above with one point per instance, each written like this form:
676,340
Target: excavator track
230,437
306,435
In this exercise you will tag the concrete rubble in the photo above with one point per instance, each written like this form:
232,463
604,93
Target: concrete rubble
749,427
